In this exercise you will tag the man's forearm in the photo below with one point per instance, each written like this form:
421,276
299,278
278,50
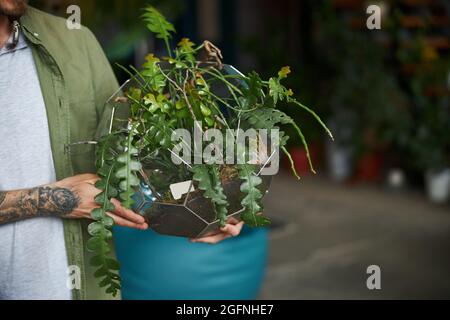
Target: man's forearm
36,202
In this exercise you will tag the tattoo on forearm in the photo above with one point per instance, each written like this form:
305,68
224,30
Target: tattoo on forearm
36,202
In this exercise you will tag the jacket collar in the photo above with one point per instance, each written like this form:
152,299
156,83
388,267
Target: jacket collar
31,26
37,30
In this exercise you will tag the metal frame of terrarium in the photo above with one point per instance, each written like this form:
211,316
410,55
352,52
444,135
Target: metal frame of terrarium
176,218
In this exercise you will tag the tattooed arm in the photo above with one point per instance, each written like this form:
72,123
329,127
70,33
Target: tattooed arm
36,202
69,198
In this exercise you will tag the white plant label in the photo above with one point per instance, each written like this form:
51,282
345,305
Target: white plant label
180,188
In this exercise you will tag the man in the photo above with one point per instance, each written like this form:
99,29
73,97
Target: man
53,85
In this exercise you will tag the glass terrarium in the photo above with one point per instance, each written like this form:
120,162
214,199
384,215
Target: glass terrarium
167,195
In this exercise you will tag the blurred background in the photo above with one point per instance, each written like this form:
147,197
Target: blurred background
381,195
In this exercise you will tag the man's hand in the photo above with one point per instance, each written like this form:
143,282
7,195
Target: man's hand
69,198
83,187
232,229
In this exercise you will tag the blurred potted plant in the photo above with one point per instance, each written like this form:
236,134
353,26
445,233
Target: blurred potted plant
364,97
369,102
330,40
430,146
135,156
429,139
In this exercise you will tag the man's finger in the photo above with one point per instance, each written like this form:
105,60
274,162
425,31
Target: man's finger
87,177
126,223
126,213
233,221
212,239
233,230
228,231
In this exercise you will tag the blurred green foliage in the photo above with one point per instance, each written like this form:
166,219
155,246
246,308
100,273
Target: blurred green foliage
359,88
122,17
428,85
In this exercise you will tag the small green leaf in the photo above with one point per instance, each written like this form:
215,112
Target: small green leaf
95,228
94,243
108,234
100,272
111,290
103,200
97,213
108,222
205,110
186,44
180,105
209,121
106,281
283,73
128,181
96,261
113,264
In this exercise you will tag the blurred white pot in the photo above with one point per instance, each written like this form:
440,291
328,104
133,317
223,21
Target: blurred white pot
396,179
438,185
339,161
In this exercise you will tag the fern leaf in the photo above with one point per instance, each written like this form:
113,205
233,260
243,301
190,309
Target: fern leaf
276,90
266,118
100,231
103,150
158,24
126,173
269,118
208,178
252,200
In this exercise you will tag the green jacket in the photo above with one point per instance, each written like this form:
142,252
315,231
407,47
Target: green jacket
76,79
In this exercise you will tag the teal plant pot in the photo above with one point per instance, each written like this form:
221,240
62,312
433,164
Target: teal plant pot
155,267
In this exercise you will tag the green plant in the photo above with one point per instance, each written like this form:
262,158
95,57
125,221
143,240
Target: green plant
178,92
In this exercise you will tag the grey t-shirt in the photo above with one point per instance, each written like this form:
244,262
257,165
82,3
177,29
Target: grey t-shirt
33,260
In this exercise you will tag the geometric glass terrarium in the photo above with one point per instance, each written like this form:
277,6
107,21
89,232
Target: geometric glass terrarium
167,196
191,216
